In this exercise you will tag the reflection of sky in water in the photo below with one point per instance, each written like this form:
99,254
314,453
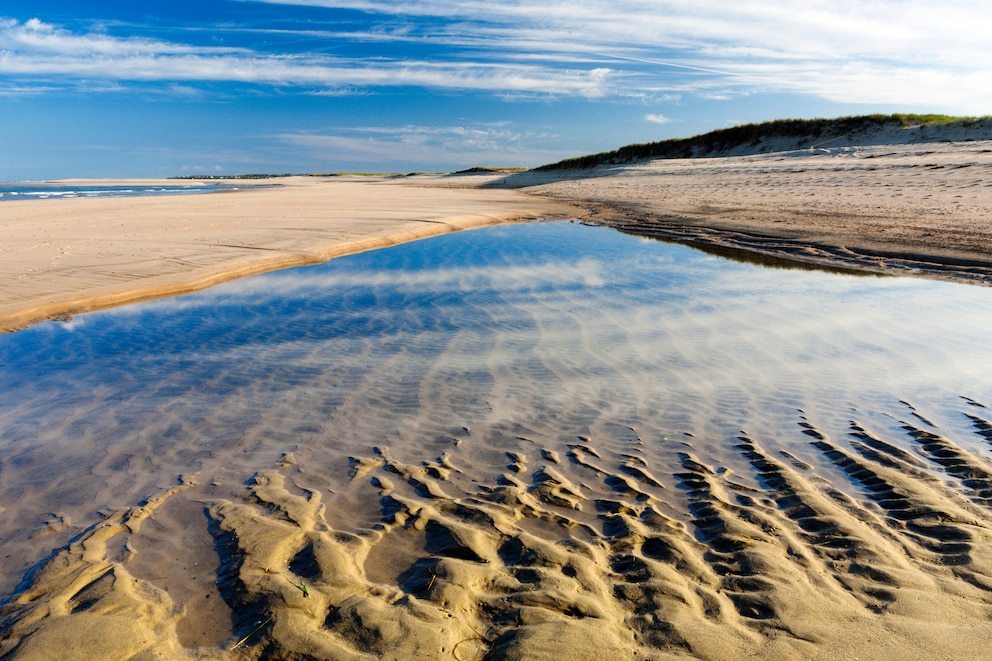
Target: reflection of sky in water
554,329
791,320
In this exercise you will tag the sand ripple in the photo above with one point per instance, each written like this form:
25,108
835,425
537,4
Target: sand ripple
570,551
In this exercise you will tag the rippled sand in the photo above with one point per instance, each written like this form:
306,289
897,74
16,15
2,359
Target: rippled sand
536,441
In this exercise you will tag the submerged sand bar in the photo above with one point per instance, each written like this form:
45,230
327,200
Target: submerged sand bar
61,257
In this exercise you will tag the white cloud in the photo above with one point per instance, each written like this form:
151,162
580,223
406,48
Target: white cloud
896,51
885,51
586,272
40,39
817,27
457,145
657,119
45,52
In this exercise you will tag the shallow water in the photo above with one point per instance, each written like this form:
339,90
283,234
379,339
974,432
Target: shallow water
473,344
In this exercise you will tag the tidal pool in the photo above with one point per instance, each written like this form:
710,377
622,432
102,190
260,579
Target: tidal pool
519,338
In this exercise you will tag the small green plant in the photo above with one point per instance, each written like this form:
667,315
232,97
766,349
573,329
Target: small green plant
301,586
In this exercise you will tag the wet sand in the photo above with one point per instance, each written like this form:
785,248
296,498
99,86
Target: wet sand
610,543
577,547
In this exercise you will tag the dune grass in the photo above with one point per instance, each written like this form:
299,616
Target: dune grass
723,140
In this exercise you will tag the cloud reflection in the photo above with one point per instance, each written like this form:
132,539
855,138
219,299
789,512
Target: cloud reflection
305,281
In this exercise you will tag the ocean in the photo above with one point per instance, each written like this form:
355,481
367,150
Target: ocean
49,191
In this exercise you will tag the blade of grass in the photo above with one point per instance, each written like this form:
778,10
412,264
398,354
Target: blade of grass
301,586
252,633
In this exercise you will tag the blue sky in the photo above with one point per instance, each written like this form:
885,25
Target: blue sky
102,88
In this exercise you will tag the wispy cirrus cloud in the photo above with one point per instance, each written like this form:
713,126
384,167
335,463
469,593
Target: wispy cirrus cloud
46,53
824,28
888,51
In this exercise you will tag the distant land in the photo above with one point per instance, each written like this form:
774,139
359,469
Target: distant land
473,170
743,140
793,134
261,175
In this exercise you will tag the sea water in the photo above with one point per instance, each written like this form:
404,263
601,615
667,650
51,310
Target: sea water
44,191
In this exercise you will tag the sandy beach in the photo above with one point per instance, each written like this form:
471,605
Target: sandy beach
63,257
920,209
609,542
914,209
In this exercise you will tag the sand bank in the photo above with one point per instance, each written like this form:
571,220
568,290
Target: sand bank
923,209
62,257
919,209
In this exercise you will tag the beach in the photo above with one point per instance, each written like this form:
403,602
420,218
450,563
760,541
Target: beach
525,522
919,209
912,209
62,257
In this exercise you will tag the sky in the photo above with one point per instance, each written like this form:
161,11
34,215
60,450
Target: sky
161,88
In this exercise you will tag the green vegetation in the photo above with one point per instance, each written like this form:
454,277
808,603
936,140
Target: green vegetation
250,634
301,586
907,120
752,135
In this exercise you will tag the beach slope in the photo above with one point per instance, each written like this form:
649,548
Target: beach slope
911,200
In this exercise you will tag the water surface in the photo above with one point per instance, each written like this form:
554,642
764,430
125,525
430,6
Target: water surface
520,336
46,191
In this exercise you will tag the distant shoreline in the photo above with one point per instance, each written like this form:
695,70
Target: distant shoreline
47,190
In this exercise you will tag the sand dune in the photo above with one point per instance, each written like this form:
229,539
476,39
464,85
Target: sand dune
917,209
